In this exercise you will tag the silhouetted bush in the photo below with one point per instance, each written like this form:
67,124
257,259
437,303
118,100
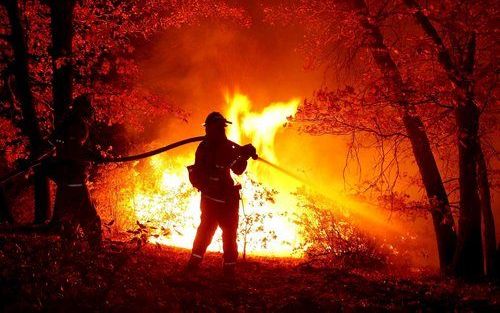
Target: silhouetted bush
329,238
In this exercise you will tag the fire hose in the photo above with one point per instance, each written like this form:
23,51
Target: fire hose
102,160
135,157
149,153
129,158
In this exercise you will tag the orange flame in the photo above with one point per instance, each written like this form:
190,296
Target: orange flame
162,198
260,128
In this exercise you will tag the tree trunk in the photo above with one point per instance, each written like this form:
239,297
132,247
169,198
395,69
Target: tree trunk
5,215
468,259
497,264
489,235
29,124
61,24
431,177
442,218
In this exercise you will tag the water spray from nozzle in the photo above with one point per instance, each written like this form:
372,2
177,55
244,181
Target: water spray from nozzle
282,170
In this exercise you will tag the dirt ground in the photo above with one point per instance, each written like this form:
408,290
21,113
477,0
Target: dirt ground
35,277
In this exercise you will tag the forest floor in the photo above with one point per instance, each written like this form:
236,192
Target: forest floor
35,277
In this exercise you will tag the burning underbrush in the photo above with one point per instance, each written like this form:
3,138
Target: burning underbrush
164,207
152,201
272,222
331,239
311,228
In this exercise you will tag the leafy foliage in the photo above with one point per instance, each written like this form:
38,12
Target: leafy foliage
255,223
331,239
354,102
106,35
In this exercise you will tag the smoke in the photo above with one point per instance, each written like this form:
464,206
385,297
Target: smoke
196,66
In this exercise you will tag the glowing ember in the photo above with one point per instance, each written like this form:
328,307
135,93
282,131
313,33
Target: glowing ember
163,199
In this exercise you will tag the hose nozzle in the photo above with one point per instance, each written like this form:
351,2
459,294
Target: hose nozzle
249,151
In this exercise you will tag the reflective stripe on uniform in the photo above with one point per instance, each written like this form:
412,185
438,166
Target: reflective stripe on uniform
234,162
197,256
214,199
75,185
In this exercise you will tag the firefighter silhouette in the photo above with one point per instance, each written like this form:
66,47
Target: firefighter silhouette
215,157
73,206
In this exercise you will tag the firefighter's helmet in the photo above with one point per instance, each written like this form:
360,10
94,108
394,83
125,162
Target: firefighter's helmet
216,117
82,106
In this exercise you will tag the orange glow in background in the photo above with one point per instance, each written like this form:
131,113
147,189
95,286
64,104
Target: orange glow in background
158,193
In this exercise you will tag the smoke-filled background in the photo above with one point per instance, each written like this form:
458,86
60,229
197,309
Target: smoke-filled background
198,68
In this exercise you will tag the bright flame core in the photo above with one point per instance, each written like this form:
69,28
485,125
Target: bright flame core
261,128
163,199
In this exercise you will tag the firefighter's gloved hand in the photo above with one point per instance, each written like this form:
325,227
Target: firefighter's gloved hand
249,151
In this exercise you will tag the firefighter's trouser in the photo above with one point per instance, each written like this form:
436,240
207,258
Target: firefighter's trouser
213,214
74,207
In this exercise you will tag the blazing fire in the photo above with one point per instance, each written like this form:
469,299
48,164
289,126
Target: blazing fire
161,198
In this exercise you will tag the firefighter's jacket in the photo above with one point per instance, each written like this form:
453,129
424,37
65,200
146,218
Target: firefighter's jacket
211,171
71,165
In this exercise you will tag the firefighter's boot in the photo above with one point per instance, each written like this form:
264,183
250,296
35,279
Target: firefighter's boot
193,264
229,270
